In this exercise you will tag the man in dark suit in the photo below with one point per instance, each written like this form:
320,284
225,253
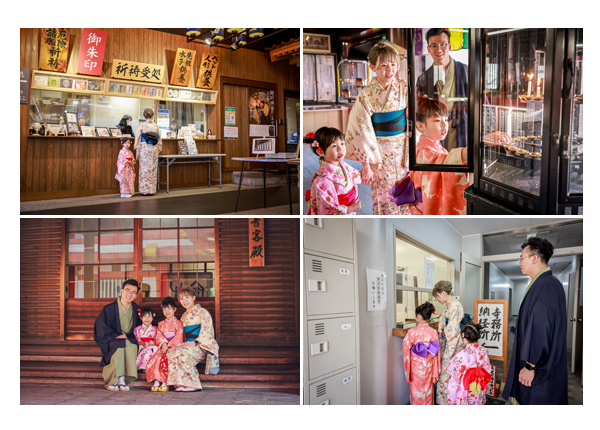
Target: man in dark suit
113,332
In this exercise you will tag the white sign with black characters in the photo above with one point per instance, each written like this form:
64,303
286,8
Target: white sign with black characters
376,290
491,317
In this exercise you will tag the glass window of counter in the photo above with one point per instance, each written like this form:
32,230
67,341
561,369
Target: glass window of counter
49,110
439,100
418,268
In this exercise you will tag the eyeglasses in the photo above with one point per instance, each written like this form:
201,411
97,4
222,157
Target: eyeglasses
441,45
129,292
523,258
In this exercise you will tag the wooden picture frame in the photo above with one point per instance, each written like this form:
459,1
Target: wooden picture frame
116,132
265,145
88,131
316,44
73,128
102,132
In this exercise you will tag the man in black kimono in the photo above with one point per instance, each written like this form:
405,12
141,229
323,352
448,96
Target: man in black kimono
113,332
538,367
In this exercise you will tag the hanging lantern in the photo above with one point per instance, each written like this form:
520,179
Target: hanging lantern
256,32
217,34
241,39
193,31
235,30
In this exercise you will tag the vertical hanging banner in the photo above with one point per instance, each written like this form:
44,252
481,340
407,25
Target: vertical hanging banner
208,71
24,86
256,240
54,49
91,52
182,69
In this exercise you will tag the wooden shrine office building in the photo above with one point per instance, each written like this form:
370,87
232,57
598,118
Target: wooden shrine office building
71,268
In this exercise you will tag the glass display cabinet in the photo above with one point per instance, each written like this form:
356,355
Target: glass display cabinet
319,79
353,76
523,127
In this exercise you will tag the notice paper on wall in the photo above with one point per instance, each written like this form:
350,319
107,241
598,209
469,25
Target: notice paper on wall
376,290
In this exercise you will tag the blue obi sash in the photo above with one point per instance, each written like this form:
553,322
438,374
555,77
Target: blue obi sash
388,124
192,332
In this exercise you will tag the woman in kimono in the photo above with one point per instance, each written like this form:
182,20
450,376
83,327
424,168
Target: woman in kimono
125,172
449,332
376,134
169,335
148,145
420,349
145,334
469,370
199,344
334,187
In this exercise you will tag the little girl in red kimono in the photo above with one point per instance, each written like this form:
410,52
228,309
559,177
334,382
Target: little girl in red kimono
334,187
169,335
125,173
469,370
421,357
443,192
145,335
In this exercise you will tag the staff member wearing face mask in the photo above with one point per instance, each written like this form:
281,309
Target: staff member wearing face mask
125,125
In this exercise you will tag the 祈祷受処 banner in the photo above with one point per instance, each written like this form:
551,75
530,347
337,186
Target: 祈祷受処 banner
137,71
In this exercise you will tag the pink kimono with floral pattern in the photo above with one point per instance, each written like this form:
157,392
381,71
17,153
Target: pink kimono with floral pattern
145,353
125,172
471,357
329,182
420,372
450,344
388,155
443,192
184,358
153,370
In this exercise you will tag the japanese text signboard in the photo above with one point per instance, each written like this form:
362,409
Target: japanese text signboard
208,71
133,71
182,69
91,52
256,240
54,49
492,315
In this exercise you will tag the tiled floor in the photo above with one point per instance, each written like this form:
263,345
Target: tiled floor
39,394
310,166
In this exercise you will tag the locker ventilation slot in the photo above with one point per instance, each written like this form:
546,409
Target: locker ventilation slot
321,390
319,328
317,266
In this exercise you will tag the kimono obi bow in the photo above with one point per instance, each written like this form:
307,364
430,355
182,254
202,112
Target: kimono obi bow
348,198
475,380
388,124
192,331
421,349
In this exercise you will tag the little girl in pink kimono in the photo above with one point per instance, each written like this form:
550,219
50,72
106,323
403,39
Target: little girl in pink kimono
421,357
334,187
145,335
469,370
125,172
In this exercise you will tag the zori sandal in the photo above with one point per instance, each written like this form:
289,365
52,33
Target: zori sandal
155,388
114,387
163,388
124,387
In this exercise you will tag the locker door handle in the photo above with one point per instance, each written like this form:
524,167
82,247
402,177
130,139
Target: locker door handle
319,348
317,285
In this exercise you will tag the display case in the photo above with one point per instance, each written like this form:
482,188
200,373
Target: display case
531,84
319,79
353,76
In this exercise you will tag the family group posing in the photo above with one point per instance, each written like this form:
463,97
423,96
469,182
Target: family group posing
148,145
168,353
451,359
376,136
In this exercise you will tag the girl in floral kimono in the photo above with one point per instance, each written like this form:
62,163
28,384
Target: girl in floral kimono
421,357
443,192
376,134
199,344
449,333
469,370
148,145
334,187
169,335
145,334
125,173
